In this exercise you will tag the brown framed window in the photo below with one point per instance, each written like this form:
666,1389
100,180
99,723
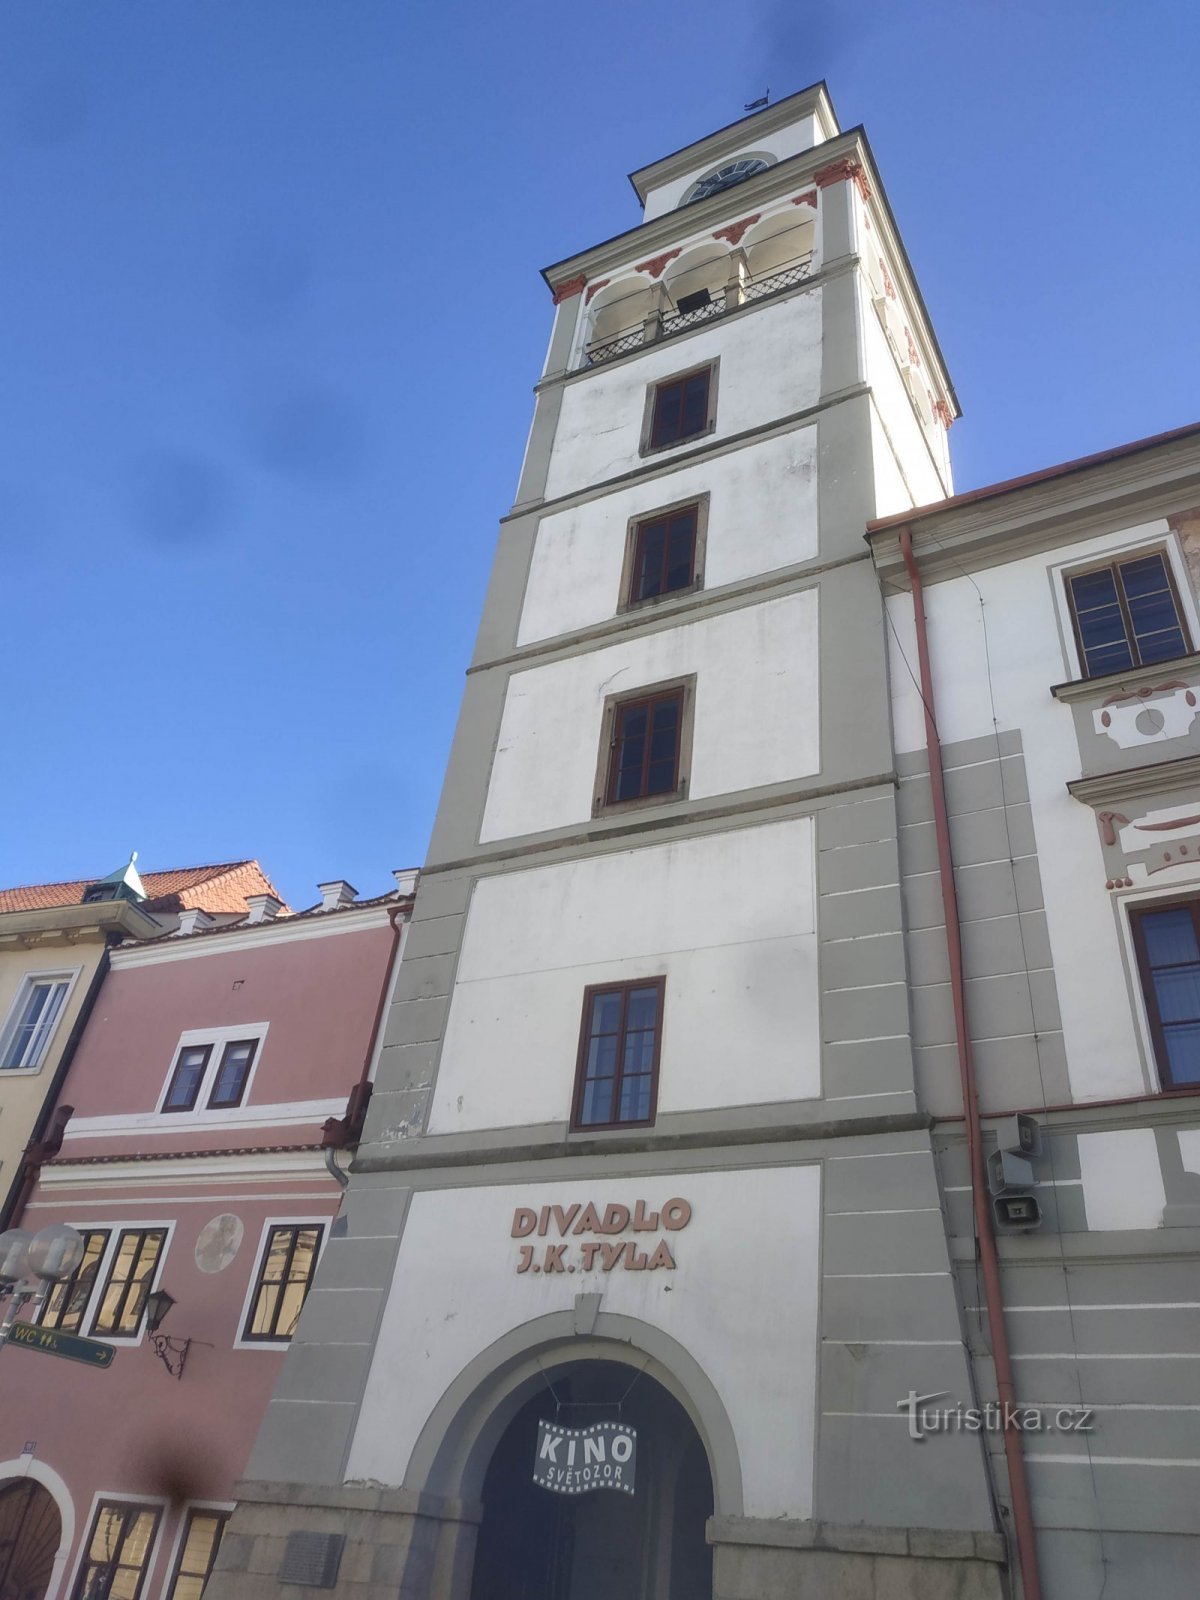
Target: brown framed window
1167,940
1127,614
616,1080
130,1276
680,409
664,554
236,1060
285,1276
197,1554
118,1551
645,745
66,1303
187,1078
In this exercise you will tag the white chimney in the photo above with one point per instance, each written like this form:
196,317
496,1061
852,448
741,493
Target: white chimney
336,893
193,920
263,907
406,879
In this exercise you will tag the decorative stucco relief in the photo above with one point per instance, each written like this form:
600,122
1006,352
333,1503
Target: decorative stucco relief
1149,715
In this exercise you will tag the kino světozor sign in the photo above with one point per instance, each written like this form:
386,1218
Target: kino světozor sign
582,1238
575,1460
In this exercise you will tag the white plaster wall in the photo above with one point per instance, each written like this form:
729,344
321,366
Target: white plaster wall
728,918
924,461
800,135
1030,651
1122,1179
745,1278
762,516
770,367
544,770
891,491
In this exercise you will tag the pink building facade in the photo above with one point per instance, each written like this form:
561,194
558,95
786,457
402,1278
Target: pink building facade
218,1076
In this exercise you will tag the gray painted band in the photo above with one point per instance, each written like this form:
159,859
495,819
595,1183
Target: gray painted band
684,814
491,1150
712,448
670,612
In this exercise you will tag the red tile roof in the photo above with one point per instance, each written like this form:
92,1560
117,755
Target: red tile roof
220,887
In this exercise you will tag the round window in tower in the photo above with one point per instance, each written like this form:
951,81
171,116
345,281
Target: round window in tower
724,178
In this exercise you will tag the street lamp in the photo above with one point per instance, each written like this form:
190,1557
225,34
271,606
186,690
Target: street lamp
14,1257
171,1352
55,1252
51,1255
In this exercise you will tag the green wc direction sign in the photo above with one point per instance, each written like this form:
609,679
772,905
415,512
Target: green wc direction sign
92,1352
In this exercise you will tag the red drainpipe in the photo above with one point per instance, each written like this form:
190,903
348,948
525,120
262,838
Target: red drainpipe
989,1262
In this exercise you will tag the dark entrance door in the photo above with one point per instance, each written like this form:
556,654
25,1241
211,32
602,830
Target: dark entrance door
536,1545
30,1533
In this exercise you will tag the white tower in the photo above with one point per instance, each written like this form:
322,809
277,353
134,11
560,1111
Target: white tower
645,1147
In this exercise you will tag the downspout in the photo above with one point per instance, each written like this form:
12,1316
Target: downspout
337,1133
39,1149
981,1200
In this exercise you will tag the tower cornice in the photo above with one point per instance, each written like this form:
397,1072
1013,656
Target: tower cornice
847,157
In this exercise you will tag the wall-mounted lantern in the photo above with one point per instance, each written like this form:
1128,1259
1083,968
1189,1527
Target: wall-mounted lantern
171,1352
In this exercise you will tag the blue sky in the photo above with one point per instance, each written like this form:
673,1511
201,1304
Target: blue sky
270,315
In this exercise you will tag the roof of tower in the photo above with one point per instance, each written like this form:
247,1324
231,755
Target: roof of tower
732,136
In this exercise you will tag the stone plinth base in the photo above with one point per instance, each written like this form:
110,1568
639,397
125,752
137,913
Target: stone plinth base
761,1560
398,1545
403,1546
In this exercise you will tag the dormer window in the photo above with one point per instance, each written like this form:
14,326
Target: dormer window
212,1069
724,178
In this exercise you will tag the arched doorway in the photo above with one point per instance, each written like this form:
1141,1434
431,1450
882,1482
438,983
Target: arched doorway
535,1544
30,1535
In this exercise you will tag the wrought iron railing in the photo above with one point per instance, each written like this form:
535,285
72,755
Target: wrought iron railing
677,321
674,322
777,281
611,348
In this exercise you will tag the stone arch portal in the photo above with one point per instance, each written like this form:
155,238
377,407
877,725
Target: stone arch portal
480,1443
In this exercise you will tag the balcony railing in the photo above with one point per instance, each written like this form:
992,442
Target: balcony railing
672,322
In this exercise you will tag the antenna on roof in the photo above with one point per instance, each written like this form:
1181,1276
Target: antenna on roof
757,105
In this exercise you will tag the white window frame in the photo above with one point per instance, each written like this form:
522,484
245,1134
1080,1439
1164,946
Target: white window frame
224,1508
1120,547
123,1341
67,975
119,1497
218,1038
259,1261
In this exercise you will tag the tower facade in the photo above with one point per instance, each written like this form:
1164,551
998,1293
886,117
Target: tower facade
644,1149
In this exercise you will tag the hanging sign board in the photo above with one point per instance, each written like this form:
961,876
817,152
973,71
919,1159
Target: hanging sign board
53,1343
577,1460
